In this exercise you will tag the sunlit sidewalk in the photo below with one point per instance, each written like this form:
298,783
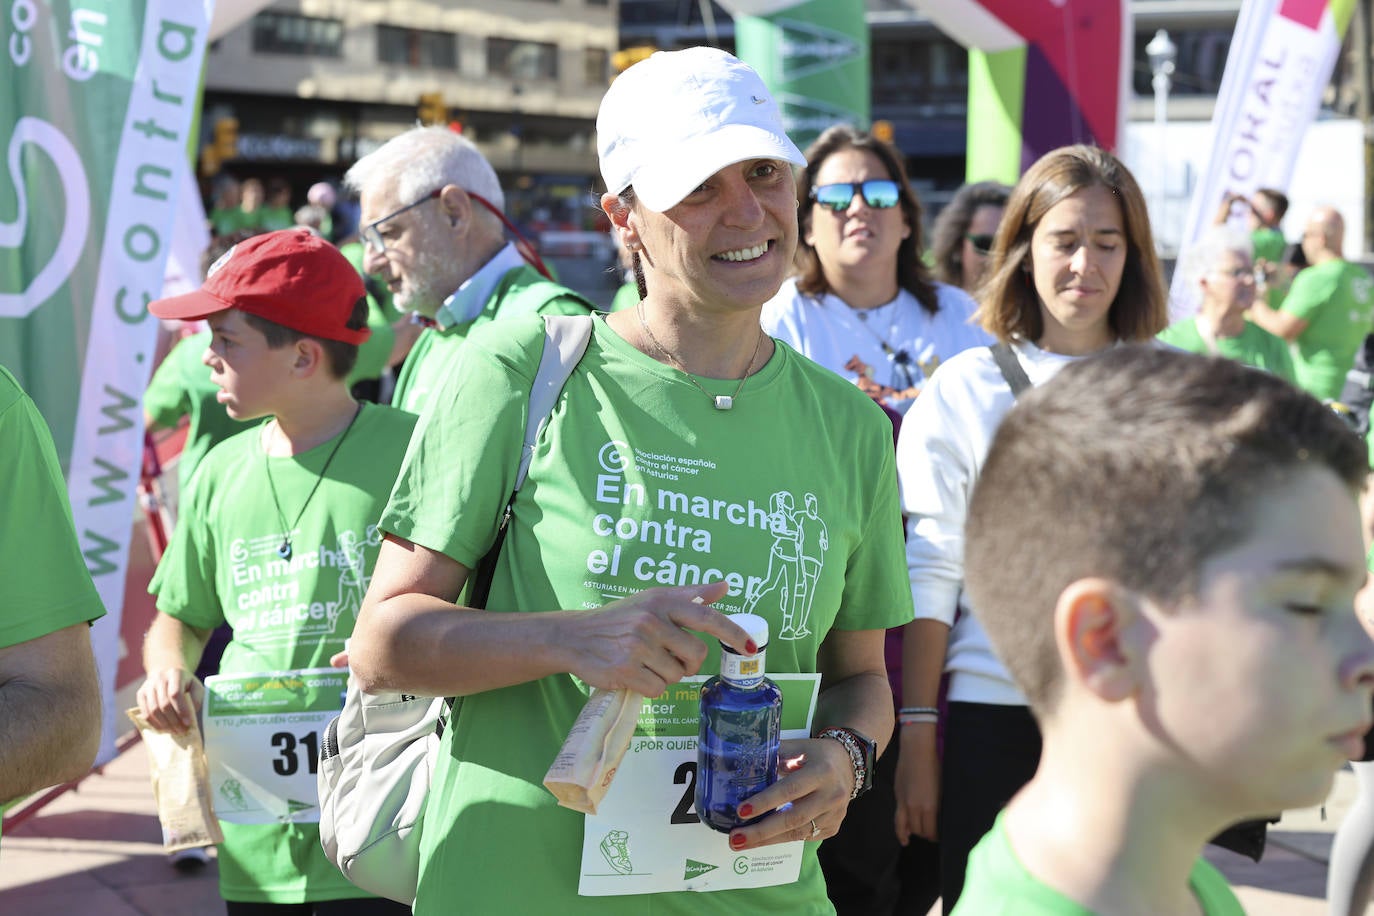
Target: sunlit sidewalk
97,851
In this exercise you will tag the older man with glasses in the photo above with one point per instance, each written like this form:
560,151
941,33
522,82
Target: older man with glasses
433,229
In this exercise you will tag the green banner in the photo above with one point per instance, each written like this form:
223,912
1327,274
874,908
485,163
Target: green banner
814,57
96,102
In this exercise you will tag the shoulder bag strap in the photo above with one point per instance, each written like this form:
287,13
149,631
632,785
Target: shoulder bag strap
566,339
1010,367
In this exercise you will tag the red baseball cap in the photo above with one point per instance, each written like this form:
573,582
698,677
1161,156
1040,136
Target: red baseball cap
292,277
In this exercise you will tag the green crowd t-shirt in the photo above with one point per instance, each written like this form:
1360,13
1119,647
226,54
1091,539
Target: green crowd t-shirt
1253,346
638,481
1336,299
181,387
999,885
1269,245
222,566
46,585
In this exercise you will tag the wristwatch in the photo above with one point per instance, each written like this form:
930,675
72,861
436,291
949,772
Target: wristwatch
863,754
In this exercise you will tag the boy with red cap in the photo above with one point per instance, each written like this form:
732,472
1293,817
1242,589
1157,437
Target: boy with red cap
277,538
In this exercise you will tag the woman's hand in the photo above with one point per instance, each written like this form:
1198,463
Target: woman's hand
815,781
645,642
169,699
917,783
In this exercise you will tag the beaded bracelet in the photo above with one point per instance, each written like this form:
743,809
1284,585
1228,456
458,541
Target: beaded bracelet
926,710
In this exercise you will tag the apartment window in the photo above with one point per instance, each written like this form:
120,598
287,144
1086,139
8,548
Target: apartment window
522,60
596,66
288,33
417,48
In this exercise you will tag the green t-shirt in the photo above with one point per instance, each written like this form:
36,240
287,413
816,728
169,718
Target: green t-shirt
627,296
228,221
270,219
522,291
375,352
1269,245
1335,298
222,567
1253,346
638,481
181,387
999,885
46,586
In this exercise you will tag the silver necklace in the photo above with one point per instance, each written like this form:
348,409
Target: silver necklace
721,401
284,551
899,357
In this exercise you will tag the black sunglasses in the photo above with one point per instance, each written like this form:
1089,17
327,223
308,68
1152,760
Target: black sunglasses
878,193
981,243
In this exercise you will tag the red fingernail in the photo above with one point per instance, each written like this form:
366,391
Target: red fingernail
737,841
746,810
751,648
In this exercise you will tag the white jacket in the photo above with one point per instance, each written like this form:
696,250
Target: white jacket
940,451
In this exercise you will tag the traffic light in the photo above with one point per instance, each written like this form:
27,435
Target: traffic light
226,139
626,58
432,109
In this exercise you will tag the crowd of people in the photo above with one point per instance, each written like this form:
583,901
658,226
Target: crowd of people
1075,588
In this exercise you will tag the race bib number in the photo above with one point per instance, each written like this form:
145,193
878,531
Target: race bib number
262,737
646,837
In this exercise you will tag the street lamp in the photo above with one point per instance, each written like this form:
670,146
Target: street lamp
1162,53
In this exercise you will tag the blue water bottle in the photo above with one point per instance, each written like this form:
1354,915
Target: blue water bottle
741,725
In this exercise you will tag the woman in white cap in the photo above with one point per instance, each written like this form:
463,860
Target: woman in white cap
692,468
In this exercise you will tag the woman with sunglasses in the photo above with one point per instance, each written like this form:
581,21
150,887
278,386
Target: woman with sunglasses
863,303
864,306
692,468
1073,272
961,239
1220,266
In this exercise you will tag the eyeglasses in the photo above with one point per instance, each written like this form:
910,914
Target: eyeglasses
1239,274
981,243
878,193
373,239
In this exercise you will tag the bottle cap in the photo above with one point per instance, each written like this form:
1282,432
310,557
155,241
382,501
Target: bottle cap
755,626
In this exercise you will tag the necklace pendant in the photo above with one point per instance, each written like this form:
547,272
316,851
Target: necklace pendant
284,551
724,402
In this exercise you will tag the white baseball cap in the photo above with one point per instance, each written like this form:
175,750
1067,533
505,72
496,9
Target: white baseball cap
676,118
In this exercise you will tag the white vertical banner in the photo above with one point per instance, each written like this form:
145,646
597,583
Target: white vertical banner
1280,62
148,181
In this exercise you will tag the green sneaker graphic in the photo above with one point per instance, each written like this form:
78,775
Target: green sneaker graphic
615,846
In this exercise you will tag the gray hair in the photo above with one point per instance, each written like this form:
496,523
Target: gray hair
1203,255
424,159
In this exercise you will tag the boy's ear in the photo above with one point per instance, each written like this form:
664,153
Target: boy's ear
309,357
1092,622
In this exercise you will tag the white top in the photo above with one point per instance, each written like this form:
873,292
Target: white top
940,451
831,333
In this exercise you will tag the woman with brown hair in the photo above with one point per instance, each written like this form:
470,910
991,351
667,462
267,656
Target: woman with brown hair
1073,272
863,303
961,239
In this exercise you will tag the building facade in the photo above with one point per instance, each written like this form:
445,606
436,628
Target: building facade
305,87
